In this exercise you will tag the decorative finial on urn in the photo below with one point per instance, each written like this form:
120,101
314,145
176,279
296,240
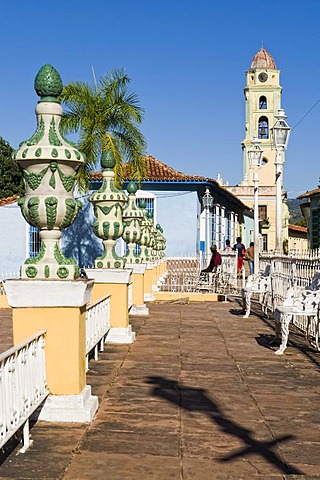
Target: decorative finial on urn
142,203
108,161
48,84
132,188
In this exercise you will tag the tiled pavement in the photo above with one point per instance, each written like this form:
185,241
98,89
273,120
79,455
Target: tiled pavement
199,395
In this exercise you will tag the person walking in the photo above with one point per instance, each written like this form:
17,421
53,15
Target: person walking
241,250
249,255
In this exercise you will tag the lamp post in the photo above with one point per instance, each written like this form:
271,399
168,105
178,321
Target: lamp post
207,201
280,138
255,156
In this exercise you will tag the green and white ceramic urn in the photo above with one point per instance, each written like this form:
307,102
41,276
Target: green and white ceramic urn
144,239
161,241
108,203
49,164
152,232
132,217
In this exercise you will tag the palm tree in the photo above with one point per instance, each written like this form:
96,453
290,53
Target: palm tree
107,117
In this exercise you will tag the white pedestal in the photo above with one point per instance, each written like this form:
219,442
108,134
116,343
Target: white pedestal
48,293
121,335
139,310
109,275
70,408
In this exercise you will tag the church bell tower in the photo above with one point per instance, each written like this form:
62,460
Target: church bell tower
263,99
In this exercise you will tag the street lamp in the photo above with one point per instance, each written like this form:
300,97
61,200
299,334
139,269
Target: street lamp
255,157
280,138
207,201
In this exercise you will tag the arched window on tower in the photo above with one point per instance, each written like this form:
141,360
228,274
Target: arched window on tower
263,128
263,102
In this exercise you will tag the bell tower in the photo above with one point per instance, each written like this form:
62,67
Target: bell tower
263,99
262,102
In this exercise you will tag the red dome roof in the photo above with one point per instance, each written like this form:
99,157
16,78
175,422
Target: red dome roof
263,59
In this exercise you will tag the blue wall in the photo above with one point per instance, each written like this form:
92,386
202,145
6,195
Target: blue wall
177,215
13,239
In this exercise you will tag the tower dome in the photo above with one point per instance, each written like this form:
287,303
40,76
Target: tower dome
263,59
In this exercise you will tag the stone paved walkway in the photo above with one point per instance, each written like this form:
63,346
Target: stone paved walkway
199,395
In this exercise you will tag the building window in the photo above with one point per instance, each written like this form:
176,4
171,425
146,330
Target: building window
263,128
265,242
228,233
263,212
263,103
315,224
34,241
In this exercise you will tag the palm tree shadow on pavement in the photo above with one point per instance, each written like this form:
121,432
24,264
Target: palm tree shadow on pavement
196,400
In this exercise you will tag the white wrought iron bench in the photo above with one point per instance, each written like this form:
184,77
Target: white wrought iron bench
300,302
256,283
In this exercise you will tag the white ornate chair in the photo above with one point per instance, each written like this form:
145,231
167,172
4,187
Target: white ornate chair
300,301
256,283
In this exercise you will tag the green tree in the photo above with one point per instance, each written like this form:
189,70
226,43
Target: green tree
11,179
106,116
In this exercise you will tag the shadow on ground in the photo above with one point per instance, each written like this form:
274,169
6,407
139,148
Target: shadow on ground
196,400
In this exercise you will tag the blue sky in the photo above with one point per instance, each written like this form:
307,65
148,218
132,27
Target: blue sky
187,61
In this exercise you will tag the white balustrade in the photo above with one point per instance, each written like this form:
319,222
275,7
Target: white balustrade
97,326
288,271
5,274
183,275
23,386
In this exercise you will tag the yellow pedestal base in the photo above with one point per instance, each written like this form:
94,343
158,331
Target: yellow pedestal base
59,307
148,282
117,283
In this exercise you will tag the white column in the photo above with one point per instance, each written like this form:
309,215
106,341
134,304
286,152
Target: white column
235,227
223,228
217,223
207,235
256,222
278,164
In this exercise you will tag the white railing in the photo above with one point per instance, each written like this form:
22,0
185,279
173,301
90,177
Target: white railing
23,386
288,271
5,274
229,268
97,326
183,275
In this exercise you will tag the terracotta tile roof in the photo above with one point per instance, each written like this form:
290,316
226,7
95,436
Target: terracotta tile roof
263,59
158,171
297,228
309,193
8,201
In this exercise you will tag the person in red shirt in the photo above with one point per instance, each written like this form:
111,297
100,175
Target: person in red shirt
241,250
215,261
